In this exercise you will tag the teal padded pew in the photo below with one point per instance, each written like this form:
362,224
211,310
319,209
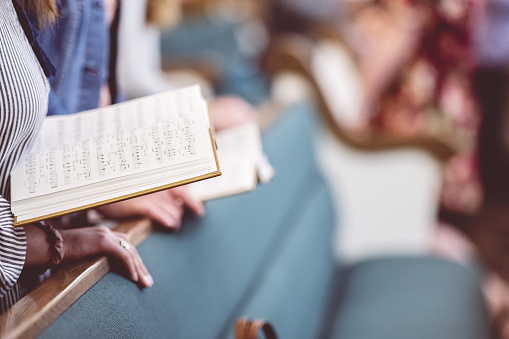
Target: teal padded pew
416,298
267,254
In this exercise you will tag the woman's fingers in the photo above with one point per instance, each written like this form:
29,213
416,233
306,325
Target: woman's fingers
166,213
120,251
127,254
183,195
230,111
164,207
144,278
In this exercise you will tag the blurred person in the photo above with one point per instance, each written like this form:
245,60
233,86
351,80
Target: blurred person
433,95
139,60
415,62
413,57
28,250
432,91
382,36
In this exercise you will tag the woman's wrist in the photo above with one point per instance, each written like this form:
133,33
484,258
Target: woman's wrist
39,251
68,236
56,242
83,242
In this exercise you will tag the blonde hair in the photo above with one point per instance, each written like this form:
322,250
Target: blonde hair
163,13
45,10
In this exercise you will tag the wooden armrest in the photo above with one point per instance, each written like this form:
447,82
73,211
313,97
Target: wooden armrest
39,308
291,53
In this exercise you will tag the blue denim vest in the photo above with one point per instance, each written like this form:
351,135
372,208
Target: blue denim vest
78,46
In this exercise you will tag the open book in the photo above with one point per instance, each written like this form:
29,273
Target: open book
105,155
242,160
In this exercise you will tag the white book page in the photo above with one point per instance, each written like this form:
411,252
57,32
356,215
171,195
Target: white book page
119,140
239,150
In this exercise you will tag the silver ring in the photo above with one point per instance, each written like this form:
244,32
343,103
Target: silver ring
124,244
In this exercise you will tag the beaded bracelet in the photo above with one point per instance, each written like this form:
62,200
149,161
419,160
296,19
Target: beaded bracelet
55,240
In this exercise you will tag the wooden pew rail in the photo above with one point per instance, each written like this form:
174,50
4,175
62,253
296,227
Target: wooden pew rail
40,307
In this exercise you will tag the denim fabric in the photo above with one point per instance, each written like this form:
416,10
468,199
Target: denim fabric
78,46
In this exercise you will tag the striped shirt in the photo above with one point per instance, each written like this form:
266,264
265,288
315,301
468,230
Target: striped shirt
24,93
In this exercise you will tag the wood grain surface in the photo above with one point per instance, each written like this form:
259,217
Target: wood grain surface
39,308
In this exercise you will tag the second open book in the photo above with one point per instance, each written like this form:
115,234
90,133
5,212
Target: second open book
121,151
243,163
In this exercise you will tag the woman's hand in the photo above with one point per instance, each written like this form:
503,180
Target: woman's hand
99,240
231,111
165,207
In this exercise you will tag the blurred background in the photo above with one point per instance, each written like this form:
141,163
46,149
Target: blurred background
394,82
410,98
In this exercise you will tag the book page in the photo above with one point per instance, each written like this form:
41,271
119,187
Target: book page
240,154
119,140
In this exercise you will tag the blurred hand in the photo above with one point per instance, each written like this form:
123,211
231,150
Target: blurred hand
230,111
99,240
165,207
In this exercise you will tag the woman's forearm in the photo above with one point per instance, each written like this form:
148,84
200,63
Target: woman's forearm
39,250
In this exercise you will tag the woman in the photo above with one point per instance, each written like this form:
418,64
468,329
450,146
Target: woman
31,249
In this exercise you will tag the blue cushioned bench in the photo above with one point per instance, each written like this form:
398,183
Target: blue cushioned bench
267,254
